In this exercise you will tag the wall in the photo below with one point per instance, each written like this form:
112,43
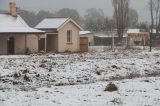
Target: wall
19,44
63,46
3,44
32,43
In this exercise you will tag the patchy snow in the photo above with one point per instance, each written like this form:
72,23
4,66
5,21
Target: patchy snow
80,78
136,92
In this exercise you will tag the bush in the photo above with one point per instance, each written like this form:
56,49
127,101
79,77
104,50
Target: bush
111,87
26,78
16,75
43,65
27,51
98,73
24,71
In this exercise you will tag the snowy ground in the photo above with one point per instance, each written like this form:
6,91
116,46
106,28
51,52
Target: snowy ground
80,79
137,92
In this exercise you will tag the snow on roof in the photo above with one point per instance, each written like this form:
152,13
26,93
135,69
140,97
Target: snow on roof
7,20
85,32
51,23
10,24
55,23
133,31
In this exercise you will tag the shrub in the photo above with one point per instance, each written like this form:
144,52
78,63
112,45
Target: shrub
27,51
16,75
98,73
114,66
133,75
117,101
111,87
26,77
25,71
43,65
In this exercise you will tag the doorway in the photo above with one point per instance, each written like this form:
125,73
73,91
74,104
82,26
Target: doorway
52,42
11,45
41,44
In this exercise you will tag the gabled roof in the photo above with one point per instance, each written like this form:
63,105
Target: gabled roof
55,23
133,31
10,24
136,31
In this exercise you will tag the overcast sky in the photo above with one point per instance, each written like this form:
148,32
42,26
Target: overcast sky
81,5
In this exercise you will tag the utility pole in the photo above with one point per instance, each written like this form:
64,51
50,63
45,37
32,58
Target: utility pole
152,24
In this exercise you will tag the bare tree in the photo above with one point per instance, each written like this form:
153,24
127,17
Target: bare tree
156,6
151,6
121,8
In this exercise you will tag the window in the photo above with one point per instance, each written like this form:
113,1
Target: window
69,36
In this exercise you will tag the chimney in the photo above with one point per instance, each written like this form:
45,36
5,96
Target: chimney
13,9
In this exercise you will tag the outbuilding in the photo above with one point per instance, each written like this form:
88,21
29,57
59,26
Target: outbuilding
62,35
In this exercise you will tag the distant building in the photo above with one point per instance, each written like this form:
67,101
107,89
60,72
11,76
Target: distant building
62,35
16,37
89,35
106,39
137,37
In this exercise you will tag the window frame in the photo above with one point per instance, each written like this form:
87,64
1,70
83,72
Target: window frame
69,36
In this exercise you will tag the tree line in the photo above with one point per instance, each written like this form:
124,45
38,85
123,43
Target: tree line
93,20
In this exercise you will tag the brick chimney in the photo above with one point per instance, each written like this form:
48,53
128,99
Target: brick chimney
13,9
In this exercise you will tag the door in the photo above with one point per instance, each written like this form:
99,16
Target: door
41,44
11,45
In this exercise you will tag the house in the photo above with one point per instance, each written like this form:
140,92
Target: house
137,37
62,34
16,37
89,35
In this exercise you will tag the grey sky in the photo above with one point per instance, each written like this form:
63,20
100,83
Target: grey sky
80,5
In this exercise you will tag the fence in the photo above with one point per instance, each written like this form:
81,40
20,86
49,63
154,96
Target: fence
84,44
